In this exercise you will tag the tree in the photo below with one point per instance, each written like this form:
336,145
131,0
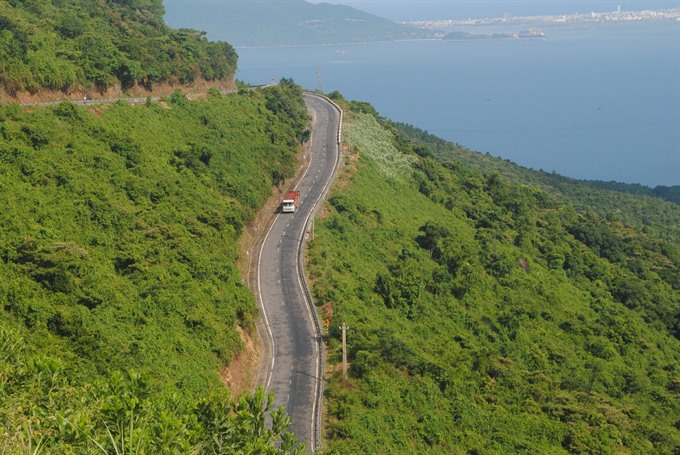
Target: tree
432,235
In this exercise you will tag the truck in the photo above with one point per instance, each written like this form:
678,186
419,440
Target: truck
290,202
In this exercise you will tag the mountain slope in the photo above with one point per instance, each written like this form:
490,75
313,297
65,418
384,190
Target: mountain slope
653,210
92,46
120,297
486,316
284,22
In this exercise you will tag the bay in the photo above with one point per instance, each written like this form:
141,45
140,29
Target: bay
595,102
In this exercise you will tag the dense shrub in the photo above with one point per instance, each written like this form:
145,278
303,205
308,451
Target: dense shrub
486,315
118,254
94,45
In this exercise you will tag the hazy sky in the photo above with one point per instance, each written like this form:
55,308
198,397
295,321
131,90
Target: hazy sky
459,9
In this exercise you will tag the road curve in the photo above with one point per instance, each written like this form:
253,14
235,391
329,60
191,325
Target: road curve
292,360
289,330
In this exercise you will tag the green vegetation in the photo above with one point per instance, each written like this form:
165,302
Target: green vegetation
655,211
669,193
286,23
487,315
491,309
120,296
43,411
95,44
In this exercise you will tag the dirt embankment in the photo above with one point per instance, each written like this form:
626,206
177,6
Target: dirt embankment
195,90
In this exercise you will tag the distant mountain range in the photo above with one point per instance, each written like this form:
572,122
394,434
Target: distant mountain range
285,23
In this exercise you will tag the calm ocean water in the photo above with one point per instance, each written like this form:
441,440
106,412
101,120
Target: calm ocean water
597,103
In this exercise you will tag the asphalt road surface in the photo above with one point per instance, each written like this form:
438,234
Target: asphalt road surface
292,366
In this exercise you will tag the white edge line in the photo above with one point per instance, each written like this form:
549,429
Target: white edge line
297,265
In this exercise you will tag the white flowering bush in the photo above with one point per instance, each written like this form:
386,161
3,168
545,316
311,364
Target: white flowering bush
365,134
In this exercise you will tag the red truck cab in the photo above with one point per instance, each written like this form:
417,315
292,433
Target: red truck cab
290,202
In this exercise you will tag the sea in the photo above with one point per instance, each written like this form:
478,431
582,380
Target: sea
592,101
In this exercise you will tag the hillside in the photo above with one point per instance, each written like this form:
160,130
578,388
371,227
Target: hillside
487,315
89,47
491,309
654,210
122,312
121,300
285,23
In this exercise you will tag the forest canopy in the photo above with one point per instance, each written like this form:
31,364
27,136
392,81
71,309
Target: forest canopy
488,315
96,44
120,299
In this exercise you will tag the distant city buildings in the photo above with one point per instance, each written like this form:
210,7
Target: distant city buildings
613,16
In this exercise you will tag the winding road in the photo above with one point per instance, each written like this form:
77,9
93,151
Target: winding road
292,351
292,354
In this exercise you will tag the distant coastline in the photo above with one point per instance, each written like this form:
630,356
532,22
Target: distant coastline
562,103
563,19
512,27
464,36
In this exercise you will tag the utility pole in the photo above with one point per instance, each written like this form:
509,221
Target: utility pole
344,350
318,79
